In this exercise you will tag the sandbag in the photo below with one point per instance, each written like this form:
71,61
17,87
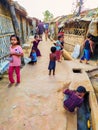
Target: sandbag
66,55
27,60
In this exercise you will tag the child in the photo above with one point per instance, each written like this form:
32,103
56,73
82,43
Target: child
74,98
46,34
33,56
88,49
58,48
52,63
35,45
16,53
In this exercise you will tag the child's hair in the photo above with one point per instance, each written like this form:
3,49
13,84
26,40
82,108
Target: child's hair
89,36
60,36
81,89
53,49
16,38
36,36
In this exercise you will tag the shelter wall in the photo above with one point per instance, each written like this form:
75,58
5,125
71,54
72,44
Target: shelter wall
71,40
24,24
20,25
6,30
75,33
30,28
4,10
23,27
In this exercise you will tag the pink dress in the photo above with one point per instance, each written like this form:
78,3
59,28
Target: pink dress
15,64
16,59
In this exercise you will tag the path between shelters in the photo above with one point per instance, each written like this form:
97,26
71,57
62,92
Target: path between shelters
36,104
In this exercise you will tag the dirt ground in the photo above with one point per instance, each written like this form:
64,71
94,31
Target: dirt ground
37,103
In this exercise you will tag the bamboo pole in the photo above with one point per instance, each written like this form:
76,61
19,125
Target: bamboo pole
14,19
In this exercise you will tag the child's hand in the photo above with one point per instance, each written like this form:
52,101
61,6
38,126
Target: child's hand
65,86
12,53
65,90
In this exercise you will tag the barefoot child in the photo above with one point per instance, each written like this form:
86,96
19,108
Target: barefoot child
36,42
33,56
74,98
59,47
16,53
52,63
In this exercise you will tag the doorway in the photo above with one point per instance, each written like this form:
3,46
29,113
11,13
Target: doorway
95,56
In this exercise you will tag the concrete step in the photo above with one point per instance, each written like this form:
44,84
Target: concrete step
71,121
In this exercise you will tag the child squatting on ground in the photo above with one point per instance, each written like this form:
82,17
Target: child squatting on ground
52,62
74,99
33,56
16,53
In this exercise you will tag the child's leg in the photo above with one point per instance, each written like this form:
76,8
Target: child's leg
17,71
49,72
10,73
53,71
61,55
58,54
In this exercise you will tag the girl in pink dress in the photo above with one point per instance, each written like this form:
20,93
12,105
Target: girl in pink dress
16,53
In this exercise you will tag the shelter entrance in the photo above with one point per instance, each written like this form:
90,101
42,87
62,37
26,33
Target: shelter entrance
95,57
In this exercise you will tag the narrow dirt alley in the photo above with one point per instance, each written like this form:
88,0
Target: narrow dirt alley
36,104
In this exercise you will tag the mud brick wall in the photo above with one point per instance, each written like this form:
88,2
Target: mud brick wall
71,40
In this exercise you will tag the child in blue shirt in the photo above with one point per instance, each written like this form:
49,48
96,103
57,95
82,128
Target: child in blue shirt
33,56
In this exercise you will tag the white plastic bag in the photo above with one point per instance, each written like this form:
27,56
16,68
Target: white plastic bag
76,51
27,60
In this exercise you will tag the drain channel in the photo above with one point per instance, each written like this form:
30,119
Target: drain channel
77,70
84,115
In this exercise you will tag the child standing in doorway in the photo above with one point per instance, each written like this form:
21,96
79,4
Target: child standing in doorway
52,63
16,53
